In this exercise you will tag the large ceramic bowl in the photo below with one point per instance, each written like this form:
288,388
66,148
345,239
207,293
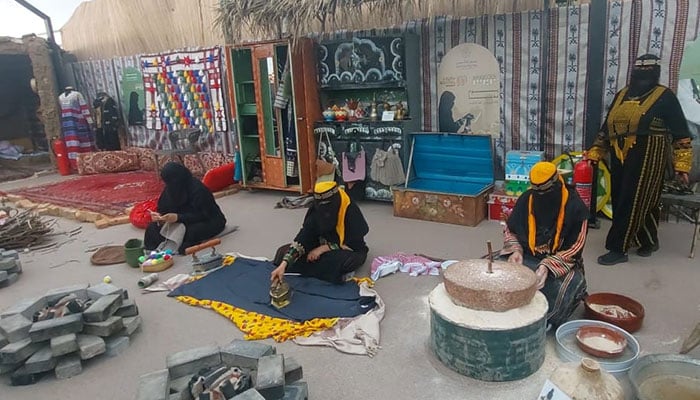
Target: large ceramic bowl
667,377
569,350
600,341
603,306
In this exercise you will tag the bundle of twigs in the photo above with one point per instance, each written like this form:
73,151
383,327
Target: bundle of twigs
21,229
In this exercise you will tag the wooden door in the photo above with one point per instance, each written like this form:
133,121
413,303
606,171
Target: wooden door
271,149
307,108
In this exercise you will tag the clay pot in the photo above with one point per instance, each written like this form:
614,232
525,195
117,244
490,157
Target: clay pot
341,115
587,381
630,324
587,334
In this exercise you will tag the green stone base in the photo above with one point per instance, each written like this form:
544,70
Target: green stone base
489,355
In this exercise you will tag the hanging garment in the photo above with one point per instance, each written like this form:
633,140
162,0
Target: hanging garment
354,163
106,123
387,168
326,161
75,125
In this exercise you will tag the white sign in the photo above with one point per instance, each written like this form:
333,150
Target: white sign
550,391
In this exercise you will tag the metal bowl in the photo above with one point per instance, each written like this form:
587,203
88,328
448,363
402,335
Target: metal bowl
569,350
666,376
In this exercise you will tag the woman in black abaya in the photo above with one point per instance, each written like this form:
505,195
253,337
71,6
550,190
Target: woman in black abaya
185,200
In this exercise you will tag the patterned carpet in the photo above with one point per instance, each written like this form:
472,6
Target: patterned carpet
108,194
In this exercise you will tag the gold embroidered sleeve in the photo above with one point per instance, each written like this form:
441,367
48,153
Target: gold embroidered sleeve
600,147
682,155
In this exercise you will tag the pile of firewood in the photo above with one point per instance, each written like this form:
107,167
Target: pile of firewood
21,229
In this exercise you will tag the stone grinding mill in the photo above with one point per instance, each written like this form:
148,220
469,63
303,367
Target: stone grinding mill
488,320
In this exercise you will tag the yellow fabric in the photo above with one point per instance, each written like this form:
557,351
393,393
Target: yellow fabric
532,224
542,172
682,155
340,225
323,187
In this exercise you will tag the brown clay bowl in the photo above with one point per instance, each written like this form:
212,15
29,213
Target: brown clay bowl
630,324
600,341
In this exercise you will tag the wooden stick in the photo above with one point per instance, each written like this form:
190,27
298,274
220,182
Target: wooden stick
488,245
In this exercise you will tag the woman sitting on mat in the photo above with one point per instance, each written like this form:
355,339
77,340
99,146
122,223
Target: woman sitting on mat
331,242
187,201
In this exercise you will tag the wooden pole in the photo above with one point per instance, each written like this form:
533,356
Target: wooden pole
488,245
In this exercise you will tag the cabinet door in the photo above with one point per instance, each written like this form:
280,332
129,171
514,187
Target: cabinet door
270,136
307,108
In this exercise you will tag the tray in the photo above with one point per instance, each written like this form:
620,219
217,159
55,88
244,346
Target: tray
568,349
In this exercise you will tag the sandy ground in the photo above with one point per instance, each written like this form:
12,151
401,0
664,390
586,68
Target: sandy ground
405,367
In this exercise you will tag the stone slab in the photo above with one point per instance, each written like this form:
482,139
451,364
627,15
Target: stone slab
11,279
15,328
131,324
41,361
190,361
65,344
3,341
50,328
292,370
127,309
22,377
90,346
26,307
296,391
17,352
270,377
103,289
17,268
54,295
103,308
7,368
104,328
7,263
250,394
3,276
245,353
180,384
68,367
10,254
154,386
116,345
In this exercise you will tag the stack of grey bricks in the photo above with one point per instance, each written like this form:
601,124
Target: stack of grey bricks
30,350
10,267
274,377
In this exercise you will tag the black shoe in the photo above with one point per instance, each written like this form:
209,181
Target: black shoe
645,251
612,258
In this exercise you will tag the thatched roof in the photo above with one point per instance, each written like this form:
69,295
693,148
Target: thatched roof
267,19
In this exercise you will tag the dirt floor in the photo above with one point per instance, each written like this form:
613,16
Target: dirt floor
405,367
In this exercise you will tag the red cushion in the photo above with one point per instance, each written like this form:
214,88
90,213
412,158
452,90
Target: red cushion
140,215
219,178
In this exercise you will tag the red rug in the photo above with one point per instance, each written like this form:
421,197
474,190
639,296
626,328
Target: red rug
107,194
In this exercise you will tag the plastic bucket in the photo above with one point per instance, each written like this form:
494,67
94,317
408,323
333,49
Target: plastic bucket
133,249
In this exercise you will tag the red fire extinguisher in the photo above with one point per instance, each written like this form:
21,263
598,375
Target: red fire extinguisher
61,153
583,180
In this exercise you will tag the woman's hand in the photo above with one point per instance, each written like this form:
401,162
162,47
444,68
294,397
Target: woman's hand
316,253
541,274
516,257
278,273
169,217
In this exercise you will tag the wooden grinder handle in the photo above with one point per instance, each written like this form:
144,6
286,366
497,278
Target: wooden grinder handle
202,246
488,245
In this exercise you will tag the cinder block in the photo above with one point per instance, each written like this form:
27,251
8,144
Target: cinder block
17,352
127,309
270,377
41,361
116,345
296,391
15,328
11,279
103,289
50,328
90,346
68,367
54,295
154,386
190,361
104,328
22,377
26,307
131,324
65,344
250,394
103,308
292,370
244,353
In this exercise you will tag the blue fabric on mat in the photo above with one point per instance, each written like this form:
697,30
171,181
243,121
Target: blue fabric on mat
246,284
